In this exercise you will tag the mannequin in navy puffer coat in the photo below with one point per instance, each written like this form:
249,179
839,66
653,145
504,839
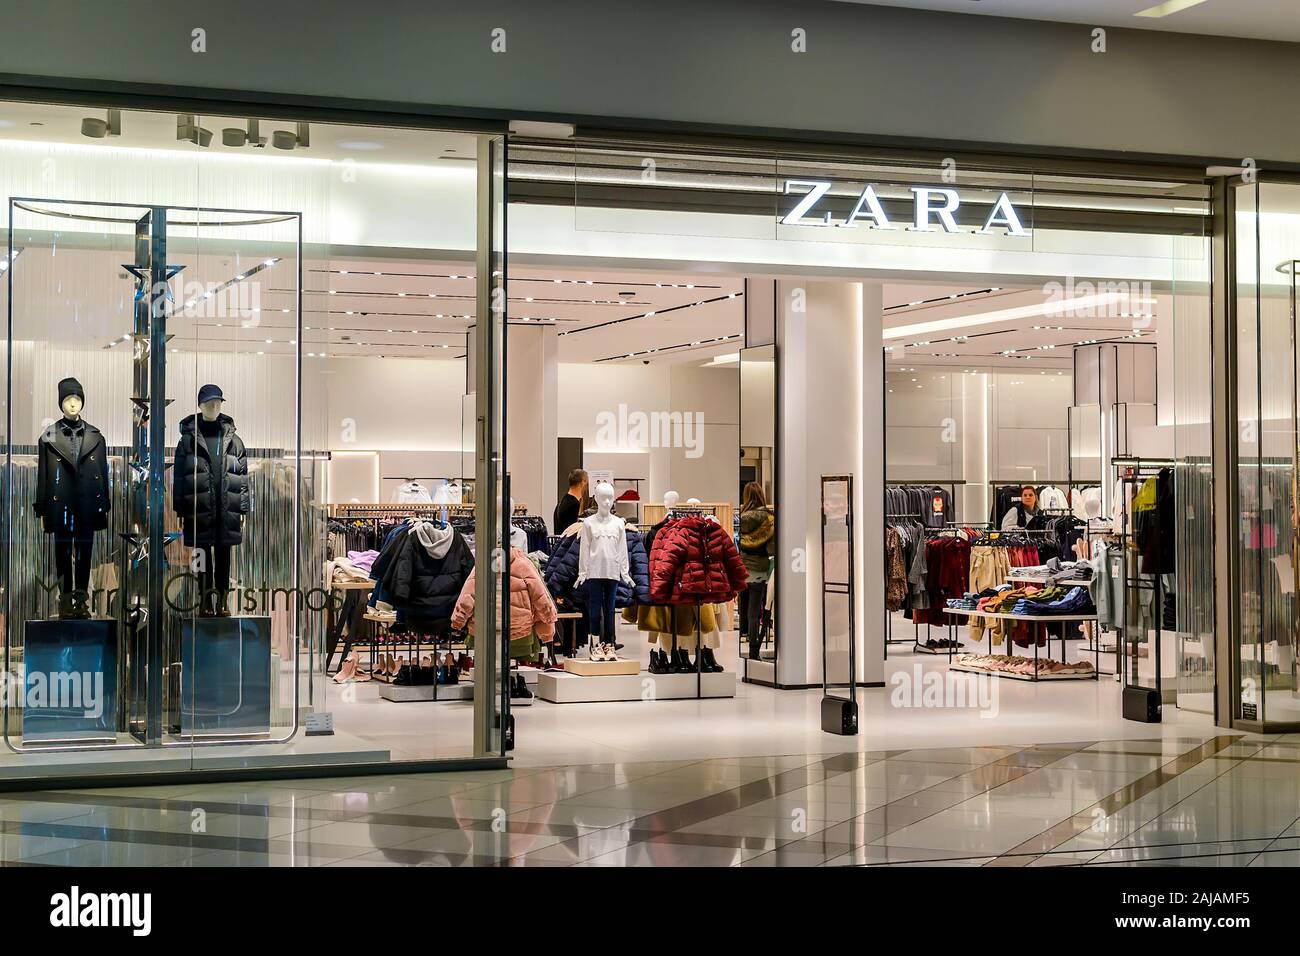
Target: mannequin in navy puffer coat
562,570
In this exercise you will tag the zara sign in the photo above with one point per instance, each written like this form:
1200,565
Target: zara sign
933,207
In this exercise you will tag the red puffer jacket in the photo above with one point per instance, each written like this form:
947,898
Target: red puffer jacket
694,559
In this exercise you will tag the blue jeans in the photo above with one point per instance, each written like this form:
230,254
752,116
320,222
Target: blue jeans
600,610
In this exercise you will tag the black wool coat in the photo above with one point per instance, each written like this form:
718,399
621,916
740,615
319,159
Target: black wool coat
211,497
73,498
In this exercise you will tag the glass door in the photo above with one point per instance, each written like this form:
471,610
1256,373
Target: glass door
242,529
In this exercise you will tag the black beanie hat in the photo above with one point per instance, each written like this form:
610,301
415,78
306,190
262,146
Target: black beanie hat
70,386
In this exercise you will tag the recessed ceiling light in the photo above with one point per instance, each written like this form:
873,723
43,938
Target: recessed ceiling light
1167,8
360,145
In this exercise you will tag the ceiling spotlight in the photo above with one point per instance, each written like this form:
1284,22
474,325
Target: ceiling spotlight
234,136
187,128
299,137
97,128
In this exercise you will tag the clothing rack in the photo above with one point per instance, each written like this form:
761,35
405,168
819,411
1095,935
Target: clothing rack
950,483
678,511
889,615
1132,469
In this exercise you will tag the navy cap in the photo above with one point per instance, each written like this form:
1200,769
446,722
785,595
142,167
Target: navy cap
208,392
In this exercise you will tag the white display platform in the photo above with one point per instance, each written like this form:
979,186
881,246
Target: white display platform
400,694
759,671
589,668
530,674
558,687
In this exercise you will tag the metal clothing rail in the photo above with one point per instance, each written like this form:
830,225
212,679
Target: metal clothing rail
1132,469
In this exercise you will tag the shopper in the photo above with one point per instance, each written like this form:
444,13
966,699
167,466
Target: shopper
1023,513
757,545
567,511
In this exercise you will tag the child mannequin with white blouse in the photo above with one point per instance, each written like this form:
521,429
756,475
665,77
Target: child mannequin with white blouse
602,564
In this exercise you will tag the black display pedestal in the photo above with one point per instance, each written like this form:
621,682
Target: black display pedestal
226,676
70,681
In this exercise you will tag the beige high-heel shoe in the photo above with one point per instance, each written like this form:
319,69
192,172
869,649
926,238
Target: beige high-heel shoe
347,671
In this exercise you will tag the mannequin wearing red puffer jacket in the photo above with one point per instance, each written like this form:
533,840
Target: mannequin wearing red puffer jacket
694,560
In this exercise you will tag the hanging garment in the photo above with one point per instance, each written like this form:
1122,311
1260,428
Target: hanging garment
1107,586
895,571
1053,499
426,572
663,619
412,493
1154,523
947,574
449,493
694,559
531,608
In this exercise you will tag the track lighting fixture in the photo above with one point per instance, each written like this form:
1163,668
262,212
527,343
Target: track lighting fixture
97,128
234,136
187,128
299,139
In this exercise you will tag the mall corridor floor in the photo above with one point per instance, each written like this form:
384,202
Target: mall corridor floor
1223,800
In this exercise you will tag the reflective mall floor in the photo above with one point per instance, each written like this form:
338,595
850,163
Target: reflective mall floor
1215,799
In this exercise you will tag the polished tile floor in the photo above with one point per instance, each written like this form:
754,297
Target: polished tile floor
1202,799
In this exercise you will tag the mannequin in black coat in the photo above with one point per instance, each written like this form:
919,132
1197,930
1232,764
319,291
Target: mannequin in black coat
72,495
210,493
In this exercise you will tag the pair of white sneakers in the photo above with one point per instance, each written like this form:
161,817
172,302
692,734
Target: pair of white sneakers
603,652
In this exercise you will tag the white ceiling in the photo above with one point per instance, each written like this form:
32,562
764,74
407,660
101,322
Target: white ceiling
424,308
1257,19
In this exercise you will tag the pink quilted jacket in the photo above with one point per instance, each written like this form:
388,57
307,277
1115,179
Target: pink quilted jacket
531,607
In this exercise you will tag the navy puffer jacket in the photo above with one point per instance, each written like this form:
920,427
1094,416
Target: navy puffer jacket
561,571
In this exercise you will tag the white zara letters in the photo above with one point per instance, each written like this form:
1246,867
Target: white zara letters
933,207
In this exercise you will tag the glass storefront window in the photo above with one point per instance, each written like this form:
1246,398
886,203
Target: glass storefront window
1267,224
246,463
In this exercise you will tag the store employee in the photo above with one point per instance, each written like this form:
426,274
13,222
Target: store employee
566,512
1024,513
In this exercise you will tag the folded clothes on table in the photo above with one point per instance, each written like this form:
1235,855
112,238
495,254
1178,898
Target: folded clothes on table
1075,601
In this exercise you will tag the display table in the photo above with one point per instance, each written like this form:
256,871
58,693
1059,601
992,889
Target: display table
1038,620
70,681
348,618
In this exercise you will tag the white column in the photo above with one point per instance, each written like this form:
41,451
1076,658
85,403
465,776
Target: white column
532,416
831,385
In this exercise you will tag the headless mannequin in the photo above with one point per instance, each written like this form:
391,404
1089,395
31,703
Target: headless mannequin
215,576
602,564
72,552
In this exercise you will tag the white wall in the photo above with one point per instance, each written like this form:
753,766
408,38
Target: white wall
976,426
532,380
393,418
586,391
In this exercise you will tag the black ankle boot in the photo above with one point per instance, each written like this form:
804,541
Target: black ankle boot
655,666
710,662
684,665
755,650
